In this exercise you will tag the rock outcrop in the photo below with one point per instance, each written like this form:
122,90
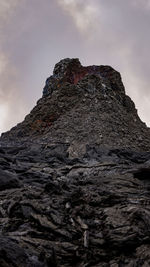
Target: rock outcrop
75,176
82,106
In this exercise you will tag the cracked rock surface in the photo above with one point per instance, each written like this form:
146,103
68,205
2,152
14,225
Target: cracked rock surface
75,176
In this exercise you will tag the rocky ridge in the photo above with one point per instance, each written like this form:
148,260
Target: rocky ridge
74,176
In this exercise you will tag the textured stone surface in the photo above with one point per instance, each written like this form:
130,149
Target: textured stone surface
93,110
75,176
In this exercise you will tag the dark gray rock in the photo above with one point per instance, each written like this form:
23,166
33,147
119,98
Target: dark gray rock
75,176
8,180
83,106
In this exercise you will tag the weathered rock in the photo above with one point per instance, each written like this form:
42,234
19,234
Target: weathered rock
75,176
84,106
8,180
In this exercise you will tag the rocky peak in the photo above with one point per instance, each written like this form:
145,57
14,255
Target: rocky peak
74,176
71,71
83,106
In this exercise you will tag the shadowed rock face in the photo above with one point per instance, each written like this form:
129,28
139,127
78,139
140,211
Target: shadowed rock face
75,176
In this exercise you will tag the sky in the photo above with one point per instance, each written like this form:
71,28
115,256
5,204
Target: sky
36,34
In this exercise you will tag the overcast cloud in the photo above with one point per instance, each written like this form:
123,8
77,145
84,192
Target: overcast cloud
35,34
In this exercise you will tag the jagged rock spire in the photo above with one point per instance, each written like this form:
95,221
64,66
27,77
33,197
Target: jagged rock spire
74,179
71,71
82,106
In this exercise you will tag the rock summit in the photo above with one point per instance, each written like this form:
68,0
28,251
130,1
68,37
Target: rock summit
75,176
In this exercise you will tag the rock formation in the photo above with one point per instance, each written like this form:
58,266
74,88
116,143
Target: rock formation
74,176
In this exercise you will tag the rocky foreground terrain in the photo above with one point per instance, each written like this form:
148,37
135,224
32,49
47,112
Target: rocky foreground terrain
75,176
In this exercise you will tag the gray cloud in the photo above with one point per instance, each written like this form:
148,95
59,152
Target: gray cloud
141,3
8,70
83,13
36,34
